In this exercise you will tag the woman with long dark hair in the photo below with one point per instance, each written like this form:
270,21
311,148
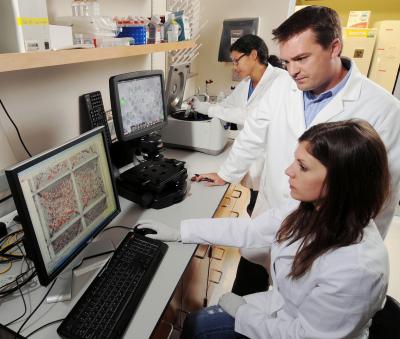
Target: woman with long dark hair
329,265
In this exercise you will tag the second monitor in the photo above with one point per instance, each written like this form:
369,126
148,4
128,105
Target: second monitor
139,109
138,103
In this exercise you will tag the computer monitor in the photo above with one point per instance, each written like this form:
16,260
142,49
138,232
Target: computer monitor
64,197
138,103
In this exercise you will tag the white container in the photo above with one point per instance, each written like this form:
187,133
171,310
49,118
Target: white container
23,26
60,36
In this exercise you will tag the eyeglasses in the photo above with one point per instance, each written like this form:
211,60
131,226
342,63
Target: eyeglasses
236,61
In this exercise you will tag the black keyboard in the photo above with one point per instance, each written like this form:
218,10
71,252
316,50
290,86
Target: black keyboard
107,306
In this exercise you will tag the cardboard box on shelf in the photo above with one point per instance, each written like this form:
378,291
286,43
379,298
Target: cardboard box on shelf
60,36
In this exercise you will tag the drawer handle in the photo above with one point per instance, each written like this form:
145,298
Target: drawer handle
226,202
234,214
222,255
202,255
219,278
239,194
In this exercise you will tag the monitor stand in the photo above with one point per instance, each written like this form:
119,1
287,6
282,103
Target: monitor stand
62,289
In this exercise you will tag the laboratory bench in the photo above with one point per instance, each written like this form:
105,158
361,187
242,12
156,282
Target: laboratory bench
166,296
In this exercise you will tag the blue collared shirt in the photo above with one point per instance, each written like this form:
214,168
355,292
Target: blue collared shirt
313,104
251,90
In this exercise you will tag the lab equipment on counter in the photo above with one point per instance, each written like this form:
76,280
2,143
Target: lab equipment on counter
190,129
24,26
139,112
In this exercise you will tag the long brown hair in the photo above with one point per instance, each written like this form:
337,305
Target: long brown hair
356,187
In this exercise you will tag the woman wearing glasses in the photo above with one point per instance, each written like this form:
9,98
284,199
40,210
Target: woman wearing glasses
255,67
258,70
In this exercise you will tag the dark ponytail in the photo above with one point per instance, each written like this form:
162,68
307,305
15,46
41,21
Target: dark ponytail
275,61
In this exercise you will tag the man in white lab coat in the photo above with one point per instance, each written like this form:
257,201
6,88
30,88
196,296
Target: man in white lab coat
320,87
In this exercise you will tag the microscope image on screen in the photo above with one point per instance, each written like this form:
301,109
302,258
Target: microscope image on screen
64,197
68,197
139,113
141,104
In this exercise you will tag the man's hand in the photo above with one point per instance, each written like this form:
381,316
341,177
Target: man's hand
211,179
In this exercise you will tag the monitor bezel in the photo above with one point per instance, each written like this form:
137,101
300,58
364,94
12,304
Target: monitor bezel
31,243
116,108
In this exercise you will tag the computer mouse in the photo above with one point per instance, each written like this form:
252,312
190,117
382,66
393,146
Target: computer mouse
143,231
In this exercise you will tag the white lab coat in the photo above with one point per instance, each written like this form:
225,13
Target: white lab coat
335,299
273,128
236,107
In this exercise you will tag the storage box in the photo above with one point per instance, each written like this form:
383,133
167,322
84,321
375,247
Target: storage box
24,26
60,36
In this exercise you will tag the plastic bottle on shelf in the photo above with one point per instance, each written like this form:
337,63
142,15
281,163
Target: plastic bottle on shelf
172,29
93,8
83,8
75,7
154,30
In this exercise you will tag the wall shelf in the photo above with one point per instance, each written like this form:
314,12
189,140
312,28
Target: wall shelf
30,60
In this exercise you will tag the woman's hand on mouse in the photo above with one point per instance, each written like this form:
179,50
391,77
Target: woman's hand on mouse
164,232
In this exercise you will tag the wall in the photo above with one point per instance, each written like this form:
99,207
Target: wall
271,14
44,102
380,10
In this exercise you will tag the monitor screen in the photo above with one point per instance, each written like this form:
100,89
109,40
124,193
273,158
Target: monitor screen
138,103
64,197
